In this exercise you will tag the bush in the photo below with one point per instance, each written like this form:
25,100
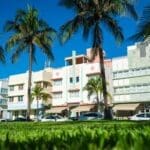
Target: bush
103,135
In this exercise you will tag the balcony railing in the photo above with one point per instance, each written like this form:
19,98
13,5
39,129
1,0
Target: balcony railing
130,90
131,73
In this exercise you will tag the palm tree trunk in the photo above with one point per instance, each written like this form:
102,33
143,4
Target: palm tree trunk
37,113
29,82
107,114
98,103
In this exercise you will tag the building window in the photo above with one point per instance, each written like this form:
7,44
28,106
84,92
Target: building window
71,80
57,82
74,94
20,98
3,102
20,87
11,87
4,91
143,52
11,99
57,95
77,79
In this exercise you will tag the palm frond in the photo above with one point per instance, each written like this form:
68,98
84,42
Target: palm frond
11,26
18,51
129,9
112,25
143,31
66,3
2,56
13,41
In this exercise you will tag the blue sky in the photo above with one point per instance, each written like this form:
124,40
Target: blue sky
55,16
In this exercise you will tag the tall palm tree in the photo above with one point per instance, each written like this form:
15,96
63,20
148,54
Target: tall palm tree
39,94
28,33
143,31
91,16
2,56
94,87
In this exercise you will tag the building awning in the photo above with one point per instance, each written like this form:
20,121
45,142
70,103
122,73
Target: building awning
57,109
82,108
125,107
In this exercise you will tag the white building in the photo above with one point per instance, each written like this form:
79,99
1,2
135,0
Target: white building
131,80
17,93
3,97
68,83
67,86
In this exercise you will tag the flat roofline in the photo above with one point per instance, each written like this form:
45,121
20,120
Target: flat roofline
119,57
77,56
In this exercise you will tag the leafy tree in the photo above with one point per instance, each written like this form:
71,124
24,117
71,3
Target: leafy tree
39,94
94,87
143,31
91,16
28,33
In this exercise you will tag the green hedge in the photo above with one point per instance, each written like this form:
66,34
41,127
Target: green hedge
75,136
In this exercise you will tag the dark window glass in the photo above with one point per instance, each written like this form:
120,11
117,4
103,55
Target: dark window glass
77,79
71,80
148,115
140,115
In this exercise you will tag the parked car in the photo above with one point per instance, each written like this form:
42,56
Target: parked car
73,118
21,118
91,116
54,118
140,116
3,120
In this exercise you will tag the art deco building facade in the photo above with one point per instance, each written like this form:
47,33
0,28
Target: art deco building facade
67,86
68,83
17,93
131,79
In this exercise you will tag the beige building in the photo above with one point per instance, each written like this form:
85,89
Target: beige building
17,93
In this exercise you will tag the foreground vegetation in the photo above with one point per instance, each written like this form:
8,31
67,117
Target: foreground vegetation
117,135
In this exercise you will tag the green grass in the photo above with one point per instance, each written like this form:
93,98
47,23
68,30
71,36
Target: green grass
103,135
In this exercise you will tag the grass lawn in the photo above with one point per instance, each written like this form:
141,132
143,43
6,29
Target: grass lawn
93,135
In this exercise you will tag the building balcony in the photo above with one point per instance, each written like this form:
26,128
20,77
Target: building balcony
132,97
23,105
132,90
75,86
131,74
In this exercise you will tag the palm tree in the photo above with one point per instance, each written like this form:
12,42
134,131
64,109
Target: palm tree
91,16
28,33
2,57
39,94
143,31
94,87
